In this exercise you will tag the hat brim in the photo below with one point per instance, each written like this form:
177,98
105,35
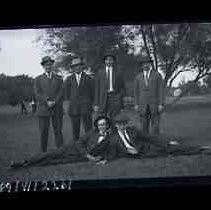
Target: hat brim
78,64
121,121
43,62
109,55
145,62
101,117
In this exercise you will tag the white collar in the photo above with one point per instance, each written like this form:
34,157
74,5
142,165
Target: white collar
49,74
78,74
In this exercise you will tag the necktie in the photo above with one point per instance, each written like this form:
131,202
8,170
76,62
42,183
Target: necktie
146,77
110,79
78,78
127,138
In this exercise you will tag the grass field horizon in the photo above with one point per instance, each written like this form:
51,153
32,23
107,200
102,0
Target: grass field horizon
191,118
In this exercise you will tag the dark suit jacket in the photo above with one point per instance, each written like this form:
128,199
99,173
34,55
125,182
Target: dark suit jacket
80,97
101,84
88,144
117,147
46,89
153,94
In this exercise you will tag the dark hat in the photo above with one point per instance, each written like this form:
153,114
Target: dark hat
121,118
46,59
109,53
100,118
145,60
77,60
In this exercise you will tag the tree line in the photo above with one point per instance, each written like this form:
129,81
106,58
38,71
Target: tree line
14,89
174,49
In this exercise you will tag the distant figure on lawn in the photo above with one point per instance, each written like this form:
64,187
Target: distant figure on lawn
93,147
33,105
23,107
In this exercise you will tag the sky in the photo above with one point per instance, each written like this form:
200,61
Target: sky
20,54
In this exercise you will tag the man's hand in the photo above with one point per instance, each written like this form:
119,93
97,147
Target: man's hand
160,108
102,162
136,107
51,104
93,158
96,108
132,151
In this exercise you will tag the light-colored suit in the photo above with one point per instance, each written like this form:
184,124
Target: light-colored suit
151,96
49,89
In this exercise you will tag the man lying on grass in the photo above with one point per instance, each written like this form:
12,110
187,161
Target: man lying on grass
127,141
102,145
93,147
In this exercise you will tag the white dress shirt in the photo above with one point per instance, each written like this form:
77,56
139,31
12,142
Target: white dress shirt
128,146
109,73
49,75
78,77
146,76
101,138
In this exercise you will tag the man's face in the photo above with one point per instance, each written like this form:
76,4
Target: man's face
102,125
109,61
121,126
48,66
78,68
146,66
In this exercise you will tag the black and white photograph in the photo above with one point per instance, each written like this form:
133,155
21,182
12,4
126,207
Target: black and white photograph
105,102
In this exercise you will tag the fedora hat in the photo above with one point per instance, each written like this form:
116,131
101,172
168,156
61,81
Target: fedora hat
76,61
121,118
109,53
46,59
145,60
101,117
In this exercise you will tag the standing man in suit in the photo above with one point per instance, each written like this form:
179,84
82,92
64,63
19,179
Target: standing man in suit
109,88
149,97
48,89
79,92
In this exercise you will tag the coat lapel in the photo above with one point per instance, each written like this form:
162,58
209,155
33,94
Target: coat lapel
82,79
74,81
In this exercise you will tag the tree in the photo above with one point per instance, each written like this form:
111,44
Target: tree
15,89
91,43
174,48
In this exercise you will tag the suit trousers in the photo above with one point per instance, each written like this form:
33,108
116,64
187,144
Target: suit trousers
113,105
150,117
76,124
44,124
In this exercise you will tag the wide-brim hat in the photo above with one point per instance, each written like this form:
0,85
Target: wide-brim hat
46,59
76,61
121,118
101,117
145,60
109,53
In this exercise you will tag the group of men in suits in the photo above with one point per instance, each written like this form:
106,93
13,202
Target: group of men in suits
102,94
110,137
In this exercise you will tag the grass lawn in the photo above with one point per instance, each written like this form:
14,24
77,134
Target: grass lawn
19,139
